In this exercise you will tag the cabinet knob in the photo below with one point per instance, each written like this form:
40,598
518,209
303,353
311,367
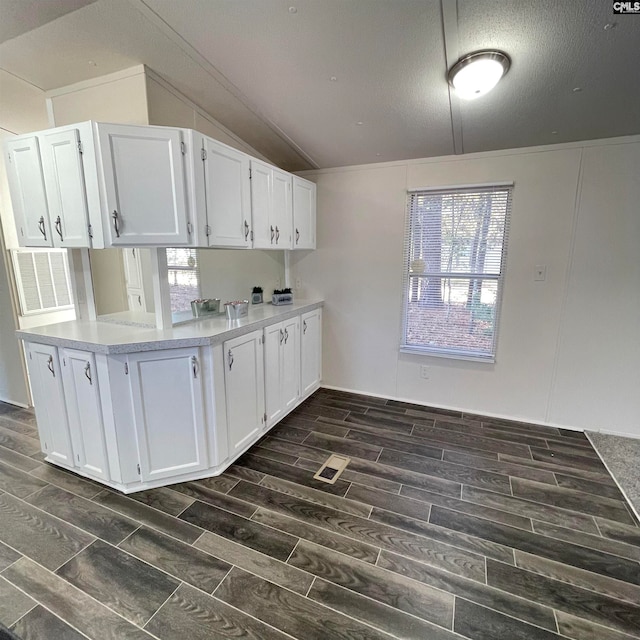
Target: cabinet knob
194,366
50,366
272,234
277,234
87,372
281,336
286,335
297,235
304,327
246,230
230,358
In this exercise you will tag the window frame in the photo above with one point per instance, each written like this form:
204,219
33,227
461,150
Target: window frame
445,352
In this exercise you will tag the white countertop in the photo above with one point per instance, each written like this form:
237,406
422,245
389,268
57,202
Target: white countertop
110,338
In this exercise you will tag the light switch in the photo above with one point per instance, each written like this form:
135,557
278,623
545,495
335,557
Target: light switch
540,272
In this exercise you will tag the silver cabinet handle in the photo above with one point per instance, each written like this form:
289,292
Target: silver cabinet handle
246,230
304,327
272,234
194,366
50,366
58,226
114,215
286,335
281,336
87,372
230,359
41,226
140,300
297,236
277,234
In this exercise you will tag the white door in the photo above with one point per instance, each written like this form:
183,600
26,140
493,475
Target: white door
168,406
228,195
82,396
264,233
244,389
290,364
66,193
282,208
310,351
28,199
304,214
273,340
49,404
145,190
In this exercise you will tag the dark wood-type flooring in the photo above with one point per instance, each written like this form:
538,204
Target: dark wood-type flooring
443,526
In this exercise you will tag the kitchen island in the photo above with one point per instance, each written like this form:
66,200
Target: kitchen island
136,407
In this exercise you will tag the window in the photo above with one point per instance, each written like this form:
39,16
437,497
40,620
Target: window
455,242
42,280
183,269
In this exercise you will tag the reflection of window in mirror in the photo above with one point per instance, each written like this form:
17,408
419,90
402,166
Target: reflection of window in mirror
123,285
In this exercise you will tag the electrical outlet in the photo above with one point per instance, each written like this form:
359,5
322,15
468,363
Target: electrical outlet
424,372
298,283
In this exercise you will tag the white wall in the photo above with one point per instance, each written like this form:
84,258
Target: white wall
231,274
568,347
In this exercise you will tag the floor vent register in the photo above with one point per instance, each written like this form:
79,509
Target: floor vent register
330,471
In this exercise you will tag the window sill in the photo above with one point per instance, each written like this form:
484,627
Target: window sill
447,354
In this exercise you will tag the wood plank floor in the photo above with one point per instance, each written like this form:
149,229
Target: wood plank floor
444,526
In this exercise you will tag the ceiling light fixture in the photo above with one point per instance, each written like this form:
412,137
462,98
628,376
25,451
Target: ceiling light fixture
477,73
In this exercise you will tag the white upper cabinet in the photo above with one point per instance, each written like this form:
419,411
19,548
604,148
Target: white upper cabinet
54,188
227,195
270,206
28,198
304,214
66,193
145,192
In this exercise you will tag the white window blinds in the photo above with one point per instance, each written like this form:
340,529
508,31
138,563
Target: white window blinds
183,267
42,280
454,257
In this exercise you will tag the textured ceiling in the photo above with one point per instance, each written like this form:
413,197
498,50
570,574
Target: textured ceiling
264,69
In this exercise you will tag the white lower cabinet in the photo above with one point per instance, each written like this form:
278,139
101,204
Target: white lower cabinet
310,351
48,399
244,389
282,368
168,407
82,397
146,419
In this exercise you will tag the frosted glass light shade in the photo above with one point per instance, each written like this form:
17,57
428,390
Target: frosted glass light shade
476,74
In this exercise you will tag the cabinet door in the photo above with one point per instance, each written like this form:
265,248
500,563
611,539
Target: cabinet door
304,214
244,389
48,401
264,233
282,208
273,340
82,396
145,190
28,199
66,194
168,407
290,364
228,197
310,351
